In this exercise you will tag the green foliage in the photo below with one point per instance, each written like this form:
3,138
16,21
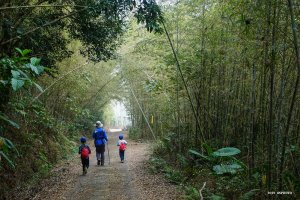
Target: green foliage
199,155
98,25
230,165
159,165
150,14
227,169
249,195
293,181
152,86
227,151
216,197
7,120
134,133
191,193
224,156
183,161
42,116
41,131
71,103
45,166
208,149
173,175
23,70
226,50
6,146
10,162
189,175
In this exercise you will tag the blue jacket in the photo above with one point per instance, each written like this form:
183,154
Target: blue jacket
99,136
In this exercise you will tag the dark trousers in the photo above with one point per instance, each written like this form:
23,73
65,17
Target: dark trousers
122,154
100,153
85,163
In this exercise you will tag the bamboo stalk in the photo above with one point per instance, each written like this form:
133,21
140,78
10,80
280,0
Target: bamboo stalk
290,114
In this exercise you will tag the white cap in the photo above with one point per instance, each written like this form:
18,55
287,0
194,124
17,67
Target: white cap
98,123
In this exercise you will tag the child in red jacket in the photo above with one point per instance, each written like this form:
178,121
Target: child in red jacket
84,151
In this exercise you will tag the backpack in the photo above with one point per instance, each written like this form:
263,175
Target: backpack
85,152
99,137
99,134
122,146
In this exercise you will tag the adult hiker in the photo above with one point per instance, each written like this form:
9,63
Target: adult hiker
100,139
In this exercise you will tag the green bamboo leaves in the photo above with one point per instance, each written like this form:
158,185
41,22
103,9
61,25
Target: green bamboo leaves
6,119
5,146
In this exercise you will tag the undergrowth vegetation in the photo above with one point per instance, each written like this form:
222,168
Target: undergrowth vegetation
218,91
36,132
41,141
224,74
222,171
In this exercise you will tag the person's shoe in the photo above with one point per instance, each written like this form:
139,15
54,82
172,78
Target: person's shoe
98,162
122,161
84,171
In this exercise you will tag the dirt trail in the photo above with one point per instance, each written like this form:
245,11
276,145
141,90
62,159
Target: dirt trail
111,181
117,181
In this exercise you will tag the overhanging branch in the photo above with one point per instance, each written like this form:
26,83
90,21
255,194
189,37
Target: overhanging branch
40,27
41,6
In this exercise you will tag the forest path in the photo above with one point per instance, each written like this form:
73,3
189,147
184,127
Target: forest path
114,181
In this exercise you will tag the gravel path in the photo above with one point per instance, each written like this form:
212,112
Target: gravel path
117,181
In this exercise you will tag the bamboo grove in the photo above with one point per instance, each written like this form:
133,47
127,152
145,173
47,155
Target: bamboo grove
217,74
240,62
54,82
